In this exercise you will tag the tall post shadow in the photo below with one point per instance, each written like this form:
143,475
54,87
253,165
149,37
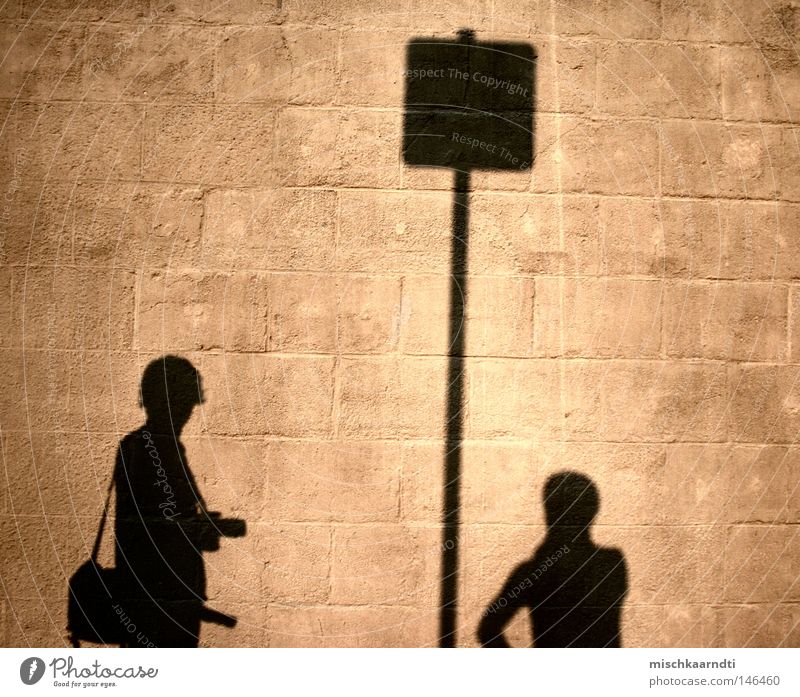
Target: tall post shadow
573,589
468,106
155,596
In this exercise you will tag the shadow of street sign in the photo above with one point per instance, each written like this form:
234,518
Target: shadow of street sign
468,106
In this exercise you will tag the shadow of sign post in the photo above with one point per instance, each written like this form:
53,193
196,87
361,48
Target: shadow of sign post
468,106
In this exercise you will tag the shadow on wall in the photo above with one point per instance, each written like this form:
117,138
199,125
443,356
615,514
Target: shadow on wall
468,106
573,589
155,595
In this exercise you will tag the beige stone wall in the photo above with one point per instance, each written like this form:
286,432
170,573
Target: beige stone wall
223,181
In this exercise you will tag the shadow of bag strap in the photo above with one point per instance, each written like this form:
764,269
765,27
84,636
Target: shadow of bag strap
96,548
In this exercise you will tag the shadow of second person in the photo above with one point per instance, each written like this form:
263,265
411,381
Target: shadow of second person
162,524
572,588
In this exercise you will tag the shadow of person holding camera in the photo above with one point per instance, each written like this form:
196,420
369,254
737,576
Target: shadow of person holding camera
162,524
573,589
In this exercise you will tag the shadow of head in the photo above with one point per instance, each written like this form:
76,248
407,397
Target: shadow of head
171,387
570,499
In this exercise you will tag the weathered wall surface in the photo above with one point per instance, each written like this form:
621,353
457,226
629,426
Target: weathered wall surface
223,181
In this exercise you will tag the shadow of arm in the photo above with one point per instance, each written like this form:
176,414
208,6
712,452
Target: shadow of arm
502,610
490,630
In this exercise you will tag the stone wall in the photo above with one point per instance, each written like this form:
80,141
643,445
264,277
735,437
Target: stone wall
224,182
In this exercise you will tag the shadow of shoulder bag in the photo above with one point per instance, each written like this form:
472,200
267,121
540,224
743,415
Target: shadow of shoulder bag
91,612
